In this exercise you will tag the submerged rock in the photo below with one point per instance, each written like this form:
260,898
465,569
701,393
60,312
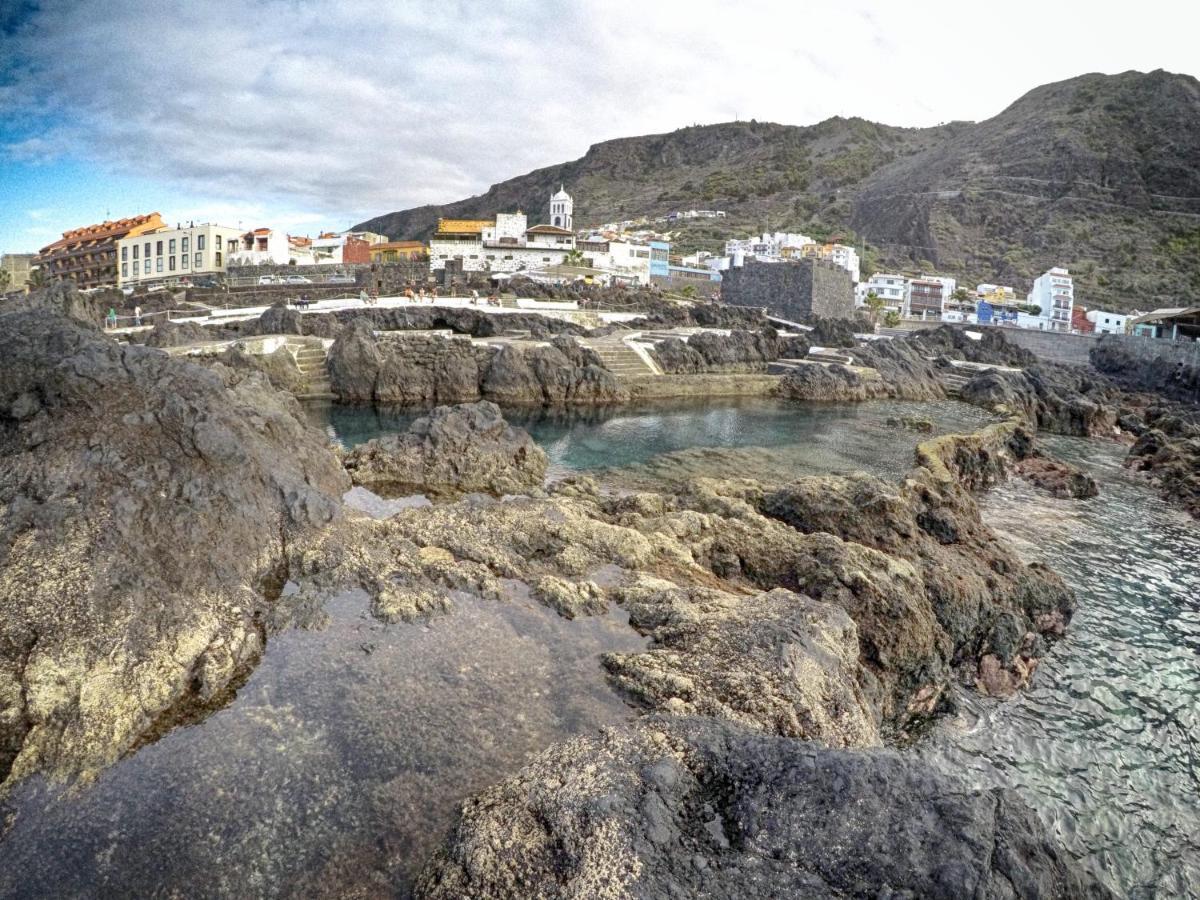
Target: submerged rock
454,450
1061,479
149,508
701,808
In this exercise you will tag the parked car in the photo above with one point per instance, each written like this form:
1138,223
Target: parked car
205,283
270,279
340,279
298,279
154,288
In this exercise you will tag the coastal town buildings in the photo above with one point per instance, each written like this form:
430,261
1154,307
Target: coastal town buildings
259,247
625,261
927,295
892,289
165,253
562,209
88,256
1053,292
395,251
1104,322
19,267
505,244
332,248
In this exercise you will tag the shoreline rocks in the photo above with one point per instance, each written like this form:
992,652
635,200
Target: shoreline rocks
149,512
420,369
452,451
701,808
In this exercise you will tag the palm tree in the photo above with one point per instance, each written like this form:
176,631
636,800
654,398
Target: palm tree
37,278
875,304
574,257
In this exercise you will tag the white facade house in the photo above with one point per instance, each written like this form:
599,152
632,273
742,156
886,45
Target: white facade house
1107,322
926,296
262,246
173,253
1053,292
624,260
891,289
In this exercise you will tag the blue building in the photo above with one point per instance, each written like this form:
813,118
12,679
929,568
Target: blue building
660,259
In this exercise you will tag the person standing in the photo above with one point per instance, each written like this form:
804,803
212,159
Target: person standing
110,321
137,316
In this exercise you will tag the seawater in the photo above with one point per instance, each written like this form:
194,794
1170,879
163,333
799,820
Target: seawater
1105,745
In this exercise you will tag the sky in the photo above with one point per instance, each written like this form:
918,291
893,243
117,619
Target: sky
315,116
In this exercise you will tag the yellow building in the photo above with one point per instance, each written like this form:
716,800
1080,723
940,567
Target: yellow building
463,226
396,251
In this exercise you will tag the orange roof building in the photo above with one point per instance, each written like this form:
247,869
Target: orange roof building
88,256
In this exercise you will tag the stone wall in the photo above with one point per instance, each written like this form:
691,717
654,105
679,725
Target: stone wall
1049,346
798,291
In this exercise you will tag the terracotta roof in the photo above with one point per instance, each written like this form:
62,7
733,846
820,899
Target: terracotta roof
101,231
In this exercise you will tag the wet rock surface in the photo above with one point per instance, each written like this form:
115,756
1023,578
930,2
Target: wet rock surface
454,450
1169,453
1057,399
697,807
148,507
1060,479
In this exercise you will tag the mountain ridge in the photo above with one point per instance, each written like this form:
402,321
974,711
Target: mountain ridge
1100,173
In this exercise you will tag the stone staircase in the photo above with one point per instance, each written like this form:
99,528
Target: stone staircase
952,381
621,360
312,360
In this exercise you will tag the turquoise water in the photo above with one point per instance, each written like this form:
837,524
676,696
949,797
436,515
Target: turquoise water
813,437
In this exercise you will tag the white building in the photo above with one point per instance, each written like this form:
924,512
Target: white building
625,261
504,244
172,253
891,289
1107,322
262,246
926,296
1054,294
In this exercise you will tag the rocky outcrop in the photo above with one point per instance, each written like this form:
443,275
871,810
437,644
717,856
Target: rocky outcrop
420,369
882,369
1058,399
701,808
984,613
454,450
776,661
281,319
166,333
1172,371
149,510
1058,478
830,383
1169,454
279,367
739,351
992,346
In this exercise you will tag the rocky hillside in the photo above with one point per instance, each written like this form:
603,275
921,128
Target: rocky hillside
1098,173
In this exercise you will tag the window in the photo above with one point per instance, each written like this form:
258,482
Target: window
124,254
135,251
171,263
146,266
199,242
171,245
124,270
183,261
158,249
198,261
184,245
146,249
158,264
217,258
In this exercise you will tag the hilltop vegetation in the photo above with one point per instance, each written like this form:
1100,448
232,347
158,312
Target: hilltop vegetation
1098,173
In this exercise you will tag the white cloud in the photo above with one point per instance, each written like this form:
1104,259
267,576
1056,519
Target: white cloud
342,110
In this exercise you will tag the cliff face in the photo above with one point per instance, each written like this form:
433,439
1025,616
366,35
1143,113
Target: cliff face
1097,173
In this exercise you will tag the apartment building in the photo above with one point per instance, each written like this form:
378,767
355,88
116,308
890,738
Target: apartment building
891,289
1053,292
88,256
168,254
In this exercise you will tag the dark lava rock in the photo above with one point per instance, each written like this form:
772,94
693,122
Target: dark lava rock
1173,462
1061,479
1058,399
883,369
992,348
1170,374
739,351
454,450
969,578
148,511
279,367
410,369
701,808
174,334
832,383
